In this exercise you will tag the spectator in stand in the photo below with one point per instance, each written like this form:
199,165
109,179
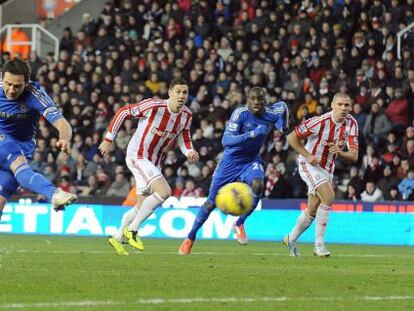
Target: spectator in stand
406,186
398,112
371,193
355,181
120,186
351,194
190,189
393,194
377,126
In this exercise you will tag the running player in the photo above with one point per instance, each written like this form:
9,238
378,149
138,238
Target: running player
160,121
327,135
244,136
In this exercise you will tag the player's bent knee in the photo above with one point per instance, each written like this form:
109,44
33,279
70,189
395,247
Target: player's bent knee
257,186
16,163
3,202
165,193
208,205
327,198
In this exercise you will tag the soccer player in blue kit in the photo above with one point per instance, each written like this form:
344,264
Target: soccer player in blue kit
243,138
22,102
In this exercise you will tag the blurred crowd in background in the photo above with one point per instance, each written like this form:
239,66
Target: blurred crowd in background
302,52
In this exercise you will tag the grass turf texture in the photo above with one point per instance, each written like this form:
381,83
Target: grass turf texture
71,273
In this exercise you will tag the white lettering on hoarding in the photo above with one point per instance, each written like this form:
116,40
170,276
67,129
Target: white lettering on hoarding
30,216
215,223
56,221
148,229
84,219
183,202
6,218
169,219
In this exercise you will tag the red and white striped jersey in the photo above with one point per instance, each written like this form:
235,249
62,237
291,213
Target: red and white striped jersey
157,127
322,130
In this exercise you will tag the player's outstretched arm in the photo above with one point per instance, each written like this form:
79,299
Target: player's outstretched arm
298,146
65,134
231,139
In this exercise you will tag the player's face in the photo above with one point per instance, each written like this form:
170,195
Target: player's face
178,96
256,102
13,85
341,107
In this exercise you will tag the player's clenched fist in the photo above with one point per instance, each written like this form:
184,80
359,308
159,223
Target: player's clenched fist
313,160
105,147
334,148
63,145
259,131
193,156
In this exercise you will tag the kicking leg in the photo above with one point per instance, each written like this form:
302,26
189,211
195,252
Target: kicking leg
37,183
257,186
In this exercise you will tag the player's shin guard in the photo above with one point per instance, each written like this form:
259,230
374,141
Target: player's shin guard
146,209
201,218
242,219
33,181
322,217
303,223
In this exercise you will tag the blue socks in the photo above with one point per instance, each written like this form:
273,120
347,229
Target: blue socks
201,218
243,218
33,181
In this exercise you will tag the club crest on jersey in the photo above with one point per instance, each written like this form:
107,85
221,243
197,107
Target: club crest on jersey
232,126
2,137
135,111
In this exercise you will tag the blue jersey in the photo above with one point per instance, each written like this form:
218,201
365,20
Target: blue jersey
239,146
19,118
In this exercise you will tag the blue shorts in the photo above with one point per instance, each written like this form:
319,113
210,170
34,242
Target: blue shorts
10,149
227,172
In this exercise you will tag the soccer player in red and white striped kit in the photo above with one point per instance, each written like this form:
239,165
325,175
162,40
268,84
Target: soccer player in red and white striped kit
326,137
160,122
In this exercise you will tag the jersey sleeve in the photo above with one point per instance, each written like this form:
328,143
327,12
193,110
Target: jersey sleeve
129,111
308,127
39,100
279,114
184,138
232,134
352,141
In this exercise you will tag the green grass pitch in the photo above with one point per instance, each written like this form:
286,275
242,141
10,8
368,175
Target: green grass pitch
72,273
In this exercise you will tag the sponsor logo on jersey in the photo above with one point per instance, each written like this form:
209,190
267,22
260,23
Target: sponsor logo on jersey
23,107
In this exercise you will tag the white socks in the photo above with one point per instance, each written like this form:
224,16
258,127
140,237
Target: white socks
146,209
322,217
127,218
303,223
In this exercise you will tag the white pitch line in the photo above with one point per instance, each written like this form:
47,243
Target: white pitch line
196,300
8,251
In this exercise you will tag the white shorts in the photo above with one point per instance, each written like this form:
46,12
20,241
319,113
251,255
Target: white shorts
144,172
313,175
